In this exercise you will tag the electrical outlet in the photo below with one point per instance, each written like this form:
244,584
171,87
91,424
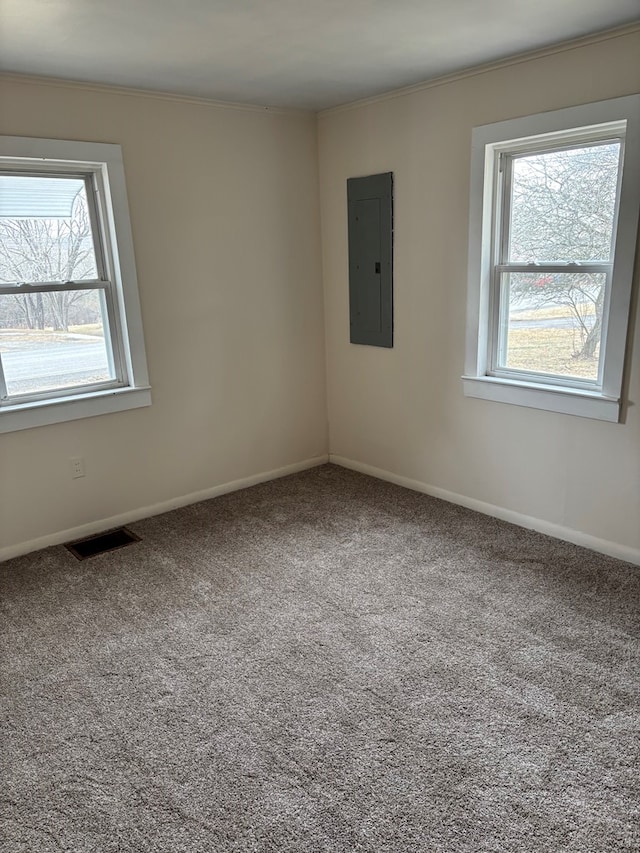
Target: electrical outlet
77,467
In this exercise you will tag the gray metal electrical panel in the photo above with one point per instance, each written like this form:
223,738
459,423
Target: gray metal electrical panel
370,217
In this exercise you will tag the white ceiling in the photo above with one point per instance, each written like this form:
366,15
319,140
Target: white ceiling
308,54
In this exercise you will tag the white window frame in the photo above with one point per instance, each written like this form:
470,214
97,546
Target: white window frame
102,167
616,118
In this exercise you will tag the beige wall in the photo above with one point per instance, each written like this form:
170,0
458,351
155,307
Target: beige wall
403,410
225,219
226,225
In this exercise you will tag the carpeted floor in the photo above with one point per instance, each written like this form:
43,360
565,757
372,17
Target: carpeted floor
321,663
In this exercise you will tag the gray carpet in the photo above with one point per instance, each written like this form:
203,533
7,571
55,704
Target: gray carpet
321,663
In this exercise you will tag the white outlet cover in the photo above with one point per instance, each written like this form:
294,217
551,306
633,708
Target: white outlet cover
77,467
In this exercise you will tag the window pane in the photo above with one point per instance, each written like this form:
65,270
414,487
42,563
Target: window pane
563,205
50,341
45,230
552,323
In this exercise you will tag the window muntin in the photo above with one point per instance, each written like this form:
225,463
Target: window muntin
555,215
77,279
502,269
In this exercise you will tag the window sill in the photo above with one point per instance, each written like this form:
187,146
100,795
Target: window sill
551,398
72,408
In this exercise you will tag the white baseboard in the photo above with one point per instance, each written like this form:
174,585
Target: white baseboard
577,537
155,509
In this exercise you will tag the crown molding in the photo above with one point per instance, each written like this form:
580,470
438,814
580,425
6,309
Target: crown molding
61,83
477,70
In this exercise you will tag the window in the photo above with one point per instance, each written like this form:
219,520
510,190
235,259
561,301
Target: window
554,217
71,341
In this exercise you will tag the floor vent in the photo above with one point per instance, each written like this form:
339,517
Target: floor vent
101,542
